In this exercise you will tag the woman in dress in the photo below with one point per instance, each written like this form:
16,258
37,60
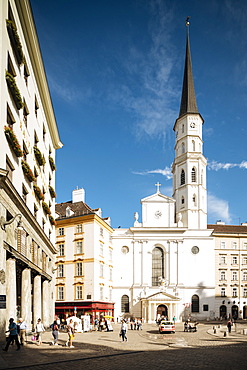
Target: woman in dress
39,330
70,331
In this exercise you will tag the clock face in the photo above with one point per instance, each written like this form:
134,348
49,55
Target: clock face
195,250
158,214
192,125
125,249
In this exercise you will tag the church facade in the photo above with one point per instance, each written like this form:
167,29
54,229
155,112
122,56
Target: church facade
165,264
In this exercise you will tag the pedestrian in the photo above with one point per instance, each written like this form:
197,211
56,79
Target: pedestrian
174,319
22,330
139,324
229,325
13,336
124,329
55,329
39,330
70,331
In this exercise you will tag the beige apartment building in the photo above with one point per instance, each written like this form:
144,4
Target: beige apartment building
29,139
230,270
84,262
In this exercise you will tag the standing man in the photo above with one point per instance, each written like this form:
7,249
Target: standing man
12,335
22,330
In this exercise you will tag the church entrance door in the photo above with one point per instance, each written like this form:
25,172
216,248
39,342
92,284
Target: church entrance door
223,312
235,312
162,310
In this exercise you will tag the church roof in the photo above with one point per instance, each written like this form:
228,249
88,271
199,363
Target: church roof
188,99
79,209
228,229
158,197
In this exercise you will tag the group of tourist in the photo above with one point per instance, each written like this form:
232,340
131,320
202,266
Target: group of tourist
18,332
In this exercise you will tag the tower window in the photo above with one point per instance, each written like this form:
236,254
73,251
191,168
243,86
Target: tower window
182,177
194,200
193,175
183,148
182,200
193,145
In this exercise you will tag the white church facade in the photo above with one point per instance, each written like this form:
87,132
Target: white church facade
165,264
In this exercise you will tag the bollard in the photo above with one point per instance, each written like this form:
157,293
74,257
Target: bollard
245,331
214,327
225,334
215,331
219,326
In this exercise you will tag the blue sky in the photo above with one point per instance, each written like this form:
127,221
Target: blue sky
115,72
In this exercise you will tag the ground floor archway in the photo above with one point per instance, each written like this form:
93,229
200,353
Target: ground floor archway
162,311
235,312
223,312
245,312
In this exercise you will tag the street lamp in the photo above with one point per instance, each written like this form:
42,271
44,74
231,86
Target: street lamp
3,222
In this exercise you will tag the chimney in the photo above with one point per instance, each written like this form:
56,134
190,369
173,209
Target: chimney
78,195
244,224
219,222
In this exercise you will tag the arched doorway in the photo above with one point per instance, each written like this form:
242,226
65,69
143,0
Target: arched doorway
235,312
245,312
223,312
162,310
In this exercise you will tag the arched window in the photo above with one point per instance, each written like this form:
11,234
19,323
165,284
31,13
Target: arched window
157,266
182,182
194,200
193,145
182,201
182,128
183,148
193,174
125,303
202,177
195,303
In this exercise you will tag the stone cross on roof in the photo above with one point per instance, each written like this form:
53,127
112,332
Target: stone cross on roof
158,187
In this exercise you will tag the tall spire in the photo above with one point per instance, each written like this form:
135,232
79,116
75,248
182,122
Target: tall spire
188,100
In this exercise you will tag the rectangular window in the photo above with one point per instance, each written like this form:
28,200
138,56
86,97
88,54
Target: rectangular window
78,269
10,168
110,254
234,292
101,293
205,307
245,275
223,292
222,275
245,292
222,260
223,245
101,231
61,249
245,260
101,249
234,260
234,245
234,275
79,228
79,292
110,294
79,247
60,271
101,270
110,275
60,293
245,246
61,231
24,193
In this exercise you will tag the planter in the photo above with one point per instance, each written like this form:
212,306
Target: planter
13,141
52,221
38,192
39,156
27,171
46,208
52,163
15,41
15,92
52,192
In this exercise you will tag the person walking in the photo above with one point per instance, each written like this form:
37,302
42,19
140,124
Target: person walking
229,325
13,336
70,331
22,330
55,329
124,328
39,330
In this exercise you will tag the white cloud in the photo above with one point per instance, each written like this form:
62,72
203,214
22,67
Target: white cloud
165,172
218,208
216,166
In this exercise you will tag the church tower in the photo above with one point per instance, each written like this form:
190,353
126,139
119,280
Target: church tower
189,167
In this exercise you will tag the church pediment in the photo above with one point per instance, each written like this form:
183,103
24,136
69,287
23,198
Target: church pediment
158,197
161,296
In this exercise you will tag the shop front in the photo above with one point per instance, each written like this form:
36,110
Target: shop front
94,309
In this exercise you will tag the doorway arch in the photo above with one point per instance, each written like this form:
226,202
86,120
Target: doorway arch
162,310
245,312
223,311
234,312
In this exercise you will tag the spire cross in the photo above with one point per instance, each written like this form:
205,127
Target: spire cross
158,187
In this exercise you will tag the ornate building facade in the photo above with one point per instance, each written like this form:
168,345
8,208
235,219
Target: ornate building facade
29,139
